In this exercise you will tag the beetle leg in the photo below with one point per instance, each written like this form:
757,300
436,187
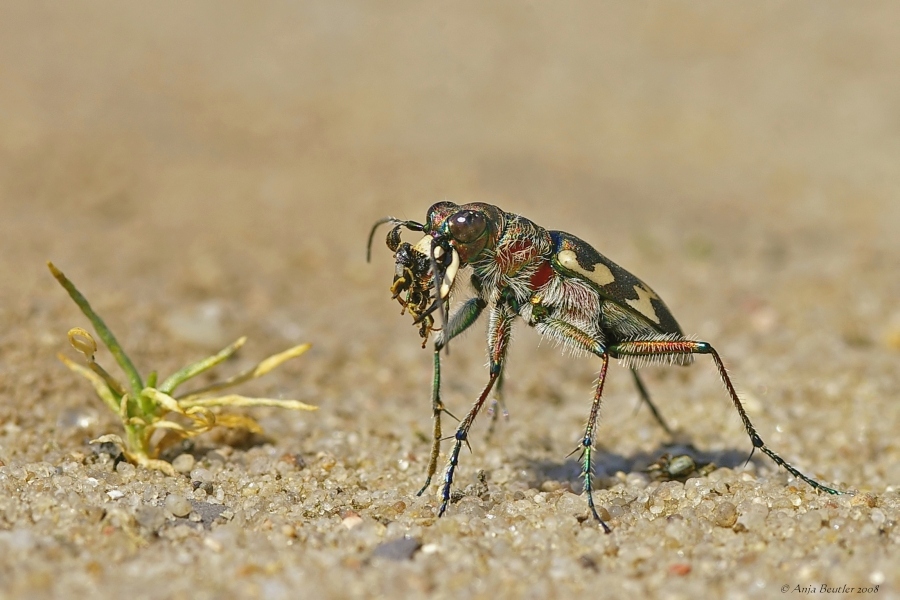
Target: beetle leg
587,443
582,340
501,318
678,348
459,322
645,398
497,406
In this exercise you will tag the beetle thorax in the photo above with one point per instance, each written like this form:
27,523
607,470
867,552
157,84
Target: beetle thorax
510,263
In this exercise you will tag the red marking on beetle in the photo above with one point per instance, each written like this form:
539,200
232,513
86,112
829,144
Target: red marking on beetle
543,274
519,246
512,257
517,253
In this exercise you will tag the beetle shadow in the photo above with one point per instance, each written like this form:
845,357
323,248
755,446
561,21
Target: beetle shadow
606,464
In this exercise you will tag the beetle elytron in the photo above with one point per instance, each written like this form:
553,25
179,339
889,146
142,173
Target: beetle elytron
557,284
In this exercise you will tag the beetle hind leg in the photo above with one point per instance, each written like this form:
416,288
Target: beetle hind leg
498,406
676,349
645,398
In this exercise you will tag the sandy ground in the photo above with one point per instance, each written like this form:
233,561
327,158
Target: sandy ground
210,171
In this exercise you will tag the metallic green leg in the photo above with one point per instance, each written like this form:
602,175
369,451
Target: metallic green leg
584,340
587,444
459,322
501,319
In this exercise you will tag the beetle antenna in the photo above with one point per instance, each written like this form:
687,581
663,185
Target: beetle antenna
378,224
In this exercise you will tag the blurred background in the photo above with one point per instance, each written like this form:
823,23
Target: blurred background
220,163
292,126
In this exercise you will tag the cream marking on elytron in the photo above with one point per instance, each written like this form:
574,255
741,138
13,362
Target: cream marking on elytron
643,304
601,275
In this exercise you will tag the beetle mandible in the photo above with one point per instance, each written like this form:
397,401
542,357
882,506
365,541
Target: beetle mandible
560,286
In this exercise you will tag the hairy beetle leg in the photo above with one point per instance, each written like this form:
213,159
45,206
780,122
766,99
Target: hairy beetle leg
462,435
683,347
498,406
459,322
501,319
587,443
437,407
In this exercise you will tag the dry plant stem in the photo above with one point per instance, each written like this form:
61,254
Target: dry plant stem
259,370
143,408
170,384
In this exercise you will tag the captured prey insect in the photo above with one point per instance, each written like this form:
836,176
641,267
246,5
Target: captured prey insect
557,284
413,279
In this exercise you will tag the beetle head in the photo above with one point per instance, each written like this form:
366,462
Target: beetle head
469,229
454,237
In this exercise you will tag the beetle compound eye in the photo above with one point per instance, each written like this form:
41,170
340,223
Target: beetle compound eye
467,226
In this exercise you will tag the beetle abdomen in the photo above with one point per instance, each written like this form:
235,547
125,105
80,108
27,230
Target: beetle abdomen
631,307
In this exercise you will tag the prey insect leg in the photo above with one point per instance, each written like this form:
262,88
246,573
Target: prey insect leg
459,322
501,318
676,348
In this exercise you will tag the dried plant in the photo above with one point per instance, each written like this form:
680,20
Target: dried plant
145,407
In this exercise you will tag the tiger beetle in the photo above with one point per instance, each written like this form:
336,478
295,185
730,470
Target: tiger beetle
557,284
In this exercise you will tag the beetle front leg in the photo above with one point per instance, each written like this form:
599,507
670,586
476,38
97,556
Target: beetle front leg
459,322
501,318
679,349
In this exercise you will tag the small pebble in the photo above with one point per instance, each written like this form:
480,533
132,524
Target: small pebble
351,519
151,517
212,544
125,469
726,514
754,516
178,505
183,463
400,549
430,548
207,512
202,475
